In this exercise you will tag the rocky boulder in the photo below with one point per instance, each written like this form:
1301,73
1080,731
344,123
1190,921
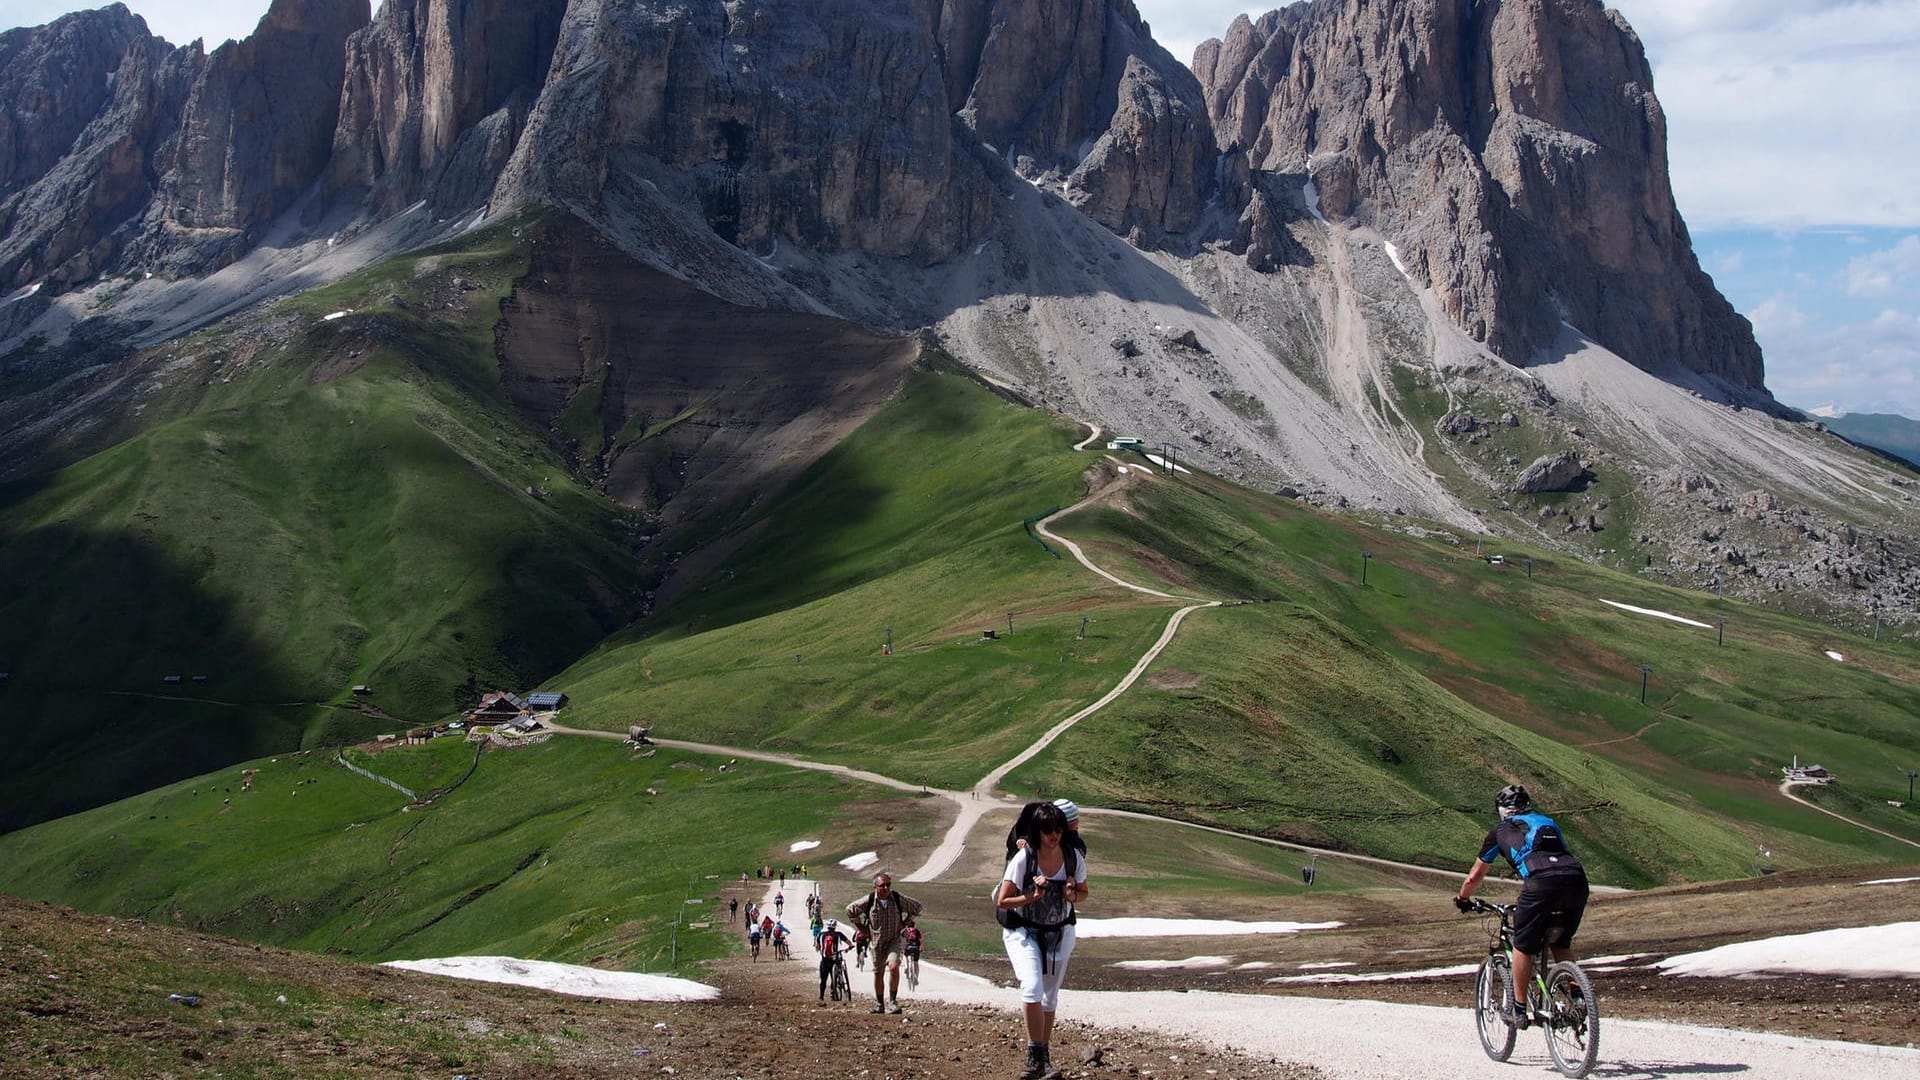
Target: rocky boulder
1553,472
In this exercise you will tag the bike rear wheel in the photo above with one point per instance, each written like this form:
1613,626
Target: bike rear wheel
1573,1020
842,989
1490,991
913,973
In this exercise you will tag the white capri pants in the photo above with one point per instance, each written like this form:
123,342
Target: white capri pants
1023,949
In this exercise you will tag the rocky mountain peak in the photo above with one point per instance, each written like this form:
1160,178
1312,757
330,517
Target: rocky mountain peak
1512,149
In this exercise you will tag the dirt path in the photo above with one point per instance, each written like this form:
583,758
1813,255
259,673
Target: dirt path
1785,787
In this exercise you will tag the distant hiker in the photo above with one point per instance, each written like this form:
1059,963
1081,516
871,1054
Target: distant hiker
1553,896
1035,905
733,907
882,912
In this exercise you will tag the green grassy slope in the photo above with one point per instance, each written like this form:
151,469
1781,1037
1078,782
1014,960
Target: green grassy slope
307,504
913,525
1308,715
571,850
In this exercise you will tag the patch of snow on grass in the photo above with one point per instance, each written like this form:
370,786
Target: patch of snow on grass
805,845
1143,927
1377,976
1831,655
1868,952
564,978
1327,964
1255,965
330,316
1189,962
860,861
1162,462
1890,881
29,290
1657,614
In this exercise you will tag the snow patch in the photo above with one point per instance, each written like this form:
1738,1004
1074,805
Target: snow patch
1162,462
1377,976
563,978
1189,962
1890,881
861,861
1311,192
1831,655
1144,927
1327,964
805,845
1868,952
1393,254
1657,614
332,315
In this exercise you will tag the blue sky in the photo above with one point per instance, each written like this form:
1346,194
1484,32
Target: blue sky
1794,139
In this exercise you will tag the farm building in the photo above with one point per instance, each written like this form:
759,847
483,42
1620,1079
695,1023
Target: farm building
546,700
499,705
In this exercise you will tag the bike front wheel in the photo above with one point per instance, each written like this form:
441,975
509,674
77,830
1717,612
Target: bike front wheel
1490,990
913,973
1573,1020
842,989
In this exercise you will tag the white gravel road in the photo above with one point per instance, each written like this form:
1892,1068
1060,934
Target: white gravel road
1372,1040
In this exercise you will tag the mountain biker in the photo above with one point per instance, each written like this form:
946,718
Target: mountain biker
833,946
753,941
910,938
1042,882
1553,893
780,940
882,912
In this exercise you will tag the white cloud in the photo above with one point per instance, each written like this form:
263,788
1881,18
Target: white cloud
1884,273
1869,366
1731,264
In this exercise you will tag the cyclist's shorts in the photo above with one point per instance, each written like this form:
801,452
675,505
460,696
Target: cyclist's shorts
1549,912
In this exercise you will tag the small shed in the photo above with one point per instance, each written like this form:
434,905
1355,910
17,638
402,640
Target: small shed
545,700
524,723
170,680
1128,442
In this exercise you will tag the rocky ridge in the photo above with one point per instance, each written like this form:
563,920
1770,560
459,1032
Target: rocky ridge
1515,153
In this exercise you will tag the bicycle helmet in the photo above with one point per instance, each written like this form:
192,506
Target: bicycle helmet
1513,797
833,924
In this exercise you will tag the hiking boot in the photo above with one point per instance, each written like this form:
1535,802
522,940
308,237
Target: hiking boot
895,1009
1514,1013
1036,1063
1047,1069
878,1007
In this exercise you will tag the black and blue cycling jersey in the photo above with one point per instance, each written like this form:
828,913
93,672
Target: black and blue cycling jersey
1532,844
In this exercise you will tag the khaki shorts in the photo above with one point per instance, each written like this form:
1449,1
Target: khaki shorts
892,947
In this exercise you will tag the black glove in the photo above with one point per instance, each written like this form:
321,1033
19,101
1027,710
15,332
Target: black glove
1465,905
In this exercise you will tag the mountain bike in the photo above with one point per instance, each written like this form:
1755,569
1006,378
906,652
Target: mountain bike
860,955
1562,1001
781,949
912,972
754,943
837,982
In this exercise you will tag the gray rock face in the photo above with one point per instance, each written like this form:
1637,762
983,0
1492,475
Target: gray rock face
1513,149
89,100
1554,472
434,95
117,145
257,130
